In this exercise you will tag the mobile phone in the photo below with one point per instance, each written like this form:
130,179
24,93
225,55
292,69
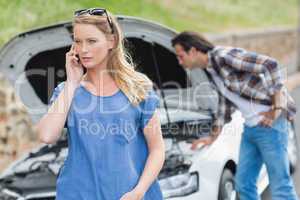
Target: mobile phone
84,69
77,56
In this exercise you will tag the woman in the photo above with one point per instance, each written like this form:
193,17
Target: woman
116,148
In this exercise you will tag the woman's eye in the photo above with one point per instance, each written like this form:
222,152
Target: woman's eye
77,41
91,41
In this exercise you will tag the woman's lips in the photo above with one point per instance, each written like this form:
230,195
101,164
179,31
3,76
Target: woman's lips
86,59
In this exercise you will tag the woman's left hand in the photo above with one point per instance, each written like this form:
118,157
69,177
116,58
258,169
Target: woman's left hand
132,195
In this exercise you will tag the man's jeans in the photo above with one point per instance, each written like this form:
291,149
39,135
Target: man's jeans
266,145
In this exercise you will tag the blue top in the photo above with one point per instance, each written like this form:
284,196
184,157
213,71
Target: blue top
107,147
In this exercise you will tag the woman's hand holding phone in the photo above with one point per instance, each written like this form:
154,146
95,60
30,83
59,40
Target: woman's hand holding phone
74,68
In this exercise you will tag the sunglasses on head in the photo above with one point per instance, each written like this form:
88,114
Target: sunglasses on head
95,11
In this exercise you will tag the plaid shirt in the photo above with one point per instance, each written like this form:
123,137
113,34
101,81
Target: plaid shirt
253,76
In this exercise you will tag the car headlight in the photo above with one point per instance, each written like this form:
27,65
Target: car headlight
180,185
6,194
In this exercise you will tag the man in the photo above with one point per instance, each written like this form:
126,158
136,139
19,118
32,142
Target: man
253,84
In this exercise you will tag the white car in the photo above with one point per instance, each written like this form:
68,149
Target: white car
33,62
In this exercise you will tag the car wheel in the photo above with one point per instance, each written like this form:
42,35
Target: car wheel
292,149
226,188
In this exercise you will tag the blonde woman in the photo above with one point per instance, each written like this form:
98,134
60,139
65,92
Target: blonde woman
116,148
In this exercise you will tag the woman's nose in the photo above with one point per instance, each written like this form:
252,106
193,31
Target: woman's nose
84,48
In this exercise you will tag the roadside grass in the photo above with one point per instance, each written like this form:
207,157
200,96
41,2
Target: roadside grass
200,15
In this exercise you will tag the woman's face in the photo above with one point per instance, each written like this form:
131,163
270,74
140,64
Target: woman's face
91,45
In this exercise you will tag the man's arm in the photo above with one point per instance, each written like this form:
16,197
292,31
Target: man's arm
219,117
256,63
252,62
217,124
276,110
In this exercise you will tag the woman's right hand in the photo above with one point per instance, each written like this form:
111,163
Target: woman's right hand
74,68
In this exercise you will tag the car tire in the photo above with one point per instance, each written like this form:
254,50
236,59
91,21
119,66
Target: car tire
293,149
226,187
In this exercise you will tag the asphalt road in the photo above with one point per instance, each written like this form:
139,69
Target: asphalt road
296,177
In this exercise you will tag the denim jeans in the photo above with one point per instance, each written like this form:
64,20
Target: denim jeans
265,145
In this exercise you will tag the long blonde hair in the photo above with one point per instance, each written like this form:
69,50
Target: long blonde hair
134,84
